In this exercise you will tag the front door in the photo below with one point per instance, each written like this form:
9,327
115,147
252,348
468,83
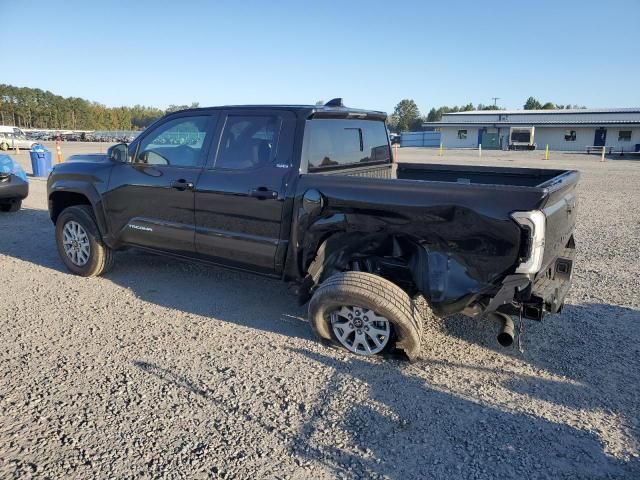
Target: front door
600,140
150,201
240,196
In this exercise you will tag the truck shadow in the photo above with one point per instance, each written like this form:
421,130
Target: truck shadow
209,291
580,359
405,428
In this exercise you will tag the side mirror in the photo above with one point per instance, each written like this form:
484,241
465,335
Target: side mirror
118,153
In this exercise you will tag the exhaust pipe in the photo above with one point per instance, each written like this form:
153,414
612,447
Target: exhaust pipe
507,332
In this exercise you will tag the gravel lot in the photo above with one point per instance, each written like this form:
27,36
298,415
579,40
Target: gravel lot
165,369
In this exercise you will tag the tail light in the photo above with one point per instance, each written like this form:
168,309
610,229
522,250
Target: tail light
533,223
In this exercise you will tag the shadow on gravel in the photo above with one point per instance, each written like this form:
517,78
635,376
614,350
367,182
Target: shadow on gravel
408,430
594,345
28,235
214,292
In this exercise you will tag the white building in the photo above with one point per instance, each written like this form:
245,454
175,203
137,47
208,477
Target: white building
571,130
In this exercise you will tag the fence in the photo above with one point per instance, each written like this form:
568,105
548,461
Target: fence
420,139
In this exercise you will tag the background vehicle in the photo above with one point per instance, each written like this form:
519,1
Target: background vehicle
12,137
13,184
522,138
311,195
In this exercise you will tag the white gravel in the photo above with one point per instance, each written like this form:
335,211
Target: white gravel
165,369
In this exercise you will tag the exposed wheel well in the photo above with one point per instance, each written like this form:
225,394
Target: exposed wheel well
58,201
393,257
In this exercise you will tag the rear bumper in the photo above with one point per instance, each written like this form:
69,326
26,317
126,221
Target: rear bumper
550,289
14,187
544,295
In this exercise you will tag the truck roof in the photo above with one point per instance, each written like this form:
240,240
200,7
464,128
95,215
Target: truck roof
303,111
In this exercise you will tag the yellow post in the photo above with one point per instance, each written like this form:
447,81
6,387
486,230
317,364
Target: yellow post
546,152
59,153
479,150
440,150
602,156
17,149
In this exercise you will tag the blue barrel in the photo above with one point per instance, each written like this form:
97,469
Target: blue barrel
40,160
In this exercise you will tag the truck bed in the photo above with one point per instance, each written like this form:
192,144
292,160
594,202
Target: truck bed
462,212
523,177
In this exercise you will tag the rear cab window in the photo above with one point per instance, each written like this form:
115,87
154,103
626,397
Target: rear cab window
331,144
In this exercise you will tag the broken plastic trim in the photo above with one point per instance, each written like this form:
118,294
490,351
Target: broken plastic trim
535,222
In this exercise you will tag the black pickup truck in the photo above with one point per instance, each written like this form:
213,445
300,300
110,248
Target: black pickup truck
311,195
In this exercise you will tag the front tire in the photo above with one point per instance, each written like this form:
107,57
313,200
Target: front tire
349,310
80,244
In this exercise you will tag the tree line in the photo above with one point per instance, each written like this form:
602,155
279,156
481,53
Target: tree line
407,117
34,108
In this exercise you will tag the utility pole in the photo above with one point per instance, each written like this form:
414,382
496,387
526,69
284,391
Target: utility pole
495,101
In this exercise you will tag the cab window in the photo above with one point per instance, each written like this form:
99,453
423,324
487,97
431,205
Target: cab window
178,142
334,143
248,141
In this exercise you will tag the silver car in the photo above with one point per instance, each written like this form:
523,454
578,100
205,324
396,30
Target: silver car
12,137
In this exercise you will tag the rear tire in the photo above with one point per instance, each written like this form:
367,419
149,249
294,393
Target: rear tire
97,258
370,293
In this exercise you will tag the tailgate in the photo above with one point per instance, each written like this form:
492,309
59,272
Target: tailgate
560,210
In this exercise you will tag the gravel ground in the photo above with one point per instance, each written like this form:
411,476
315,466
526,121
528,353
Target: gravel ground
166,369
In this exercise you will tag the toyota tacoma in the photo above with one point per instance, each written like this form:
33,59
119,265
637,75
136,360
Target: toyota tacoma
312,195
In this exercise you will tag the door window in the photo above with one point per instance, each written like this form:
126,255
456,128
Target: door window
176,143
248,141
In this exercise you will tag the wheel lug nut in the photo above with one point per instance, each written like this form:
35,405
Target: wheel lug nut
351,325
357,313
366,319
350,317
366,329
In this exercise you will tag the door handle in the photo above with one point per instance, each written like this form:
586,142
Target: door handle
182,185
263,193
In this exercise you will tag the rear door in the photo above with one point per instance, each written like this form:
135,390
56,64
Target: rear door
150,201
239,198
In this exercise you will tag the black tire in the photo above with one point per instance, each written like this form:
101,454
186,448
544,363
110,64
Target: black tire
374,293
100,255
13,206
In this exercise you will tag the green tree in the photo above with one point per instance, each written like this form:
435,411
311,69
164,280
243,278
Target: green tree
407,115
532,104
177,108
549,106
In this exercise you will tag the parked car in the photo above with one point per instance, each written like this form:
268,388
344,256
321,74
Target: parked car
311,195
13,184
12,137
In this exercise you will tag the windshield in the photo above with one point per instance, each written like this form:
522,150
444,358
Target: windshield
334,143
18,133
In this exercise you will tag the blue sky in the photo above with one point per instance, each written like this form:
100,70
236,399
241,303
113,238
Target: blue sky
372,53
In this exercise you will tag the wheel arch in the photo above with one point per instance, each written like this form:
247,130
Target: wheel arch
396,257
60,199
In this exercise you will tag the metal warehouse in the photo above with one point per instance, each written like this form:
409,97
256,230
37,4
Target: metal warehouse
617,129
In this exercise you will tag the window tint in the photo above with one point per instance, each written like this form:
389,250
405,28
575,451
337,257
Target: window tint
248,141
178,143
331,143
462,134
624,136
570,135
